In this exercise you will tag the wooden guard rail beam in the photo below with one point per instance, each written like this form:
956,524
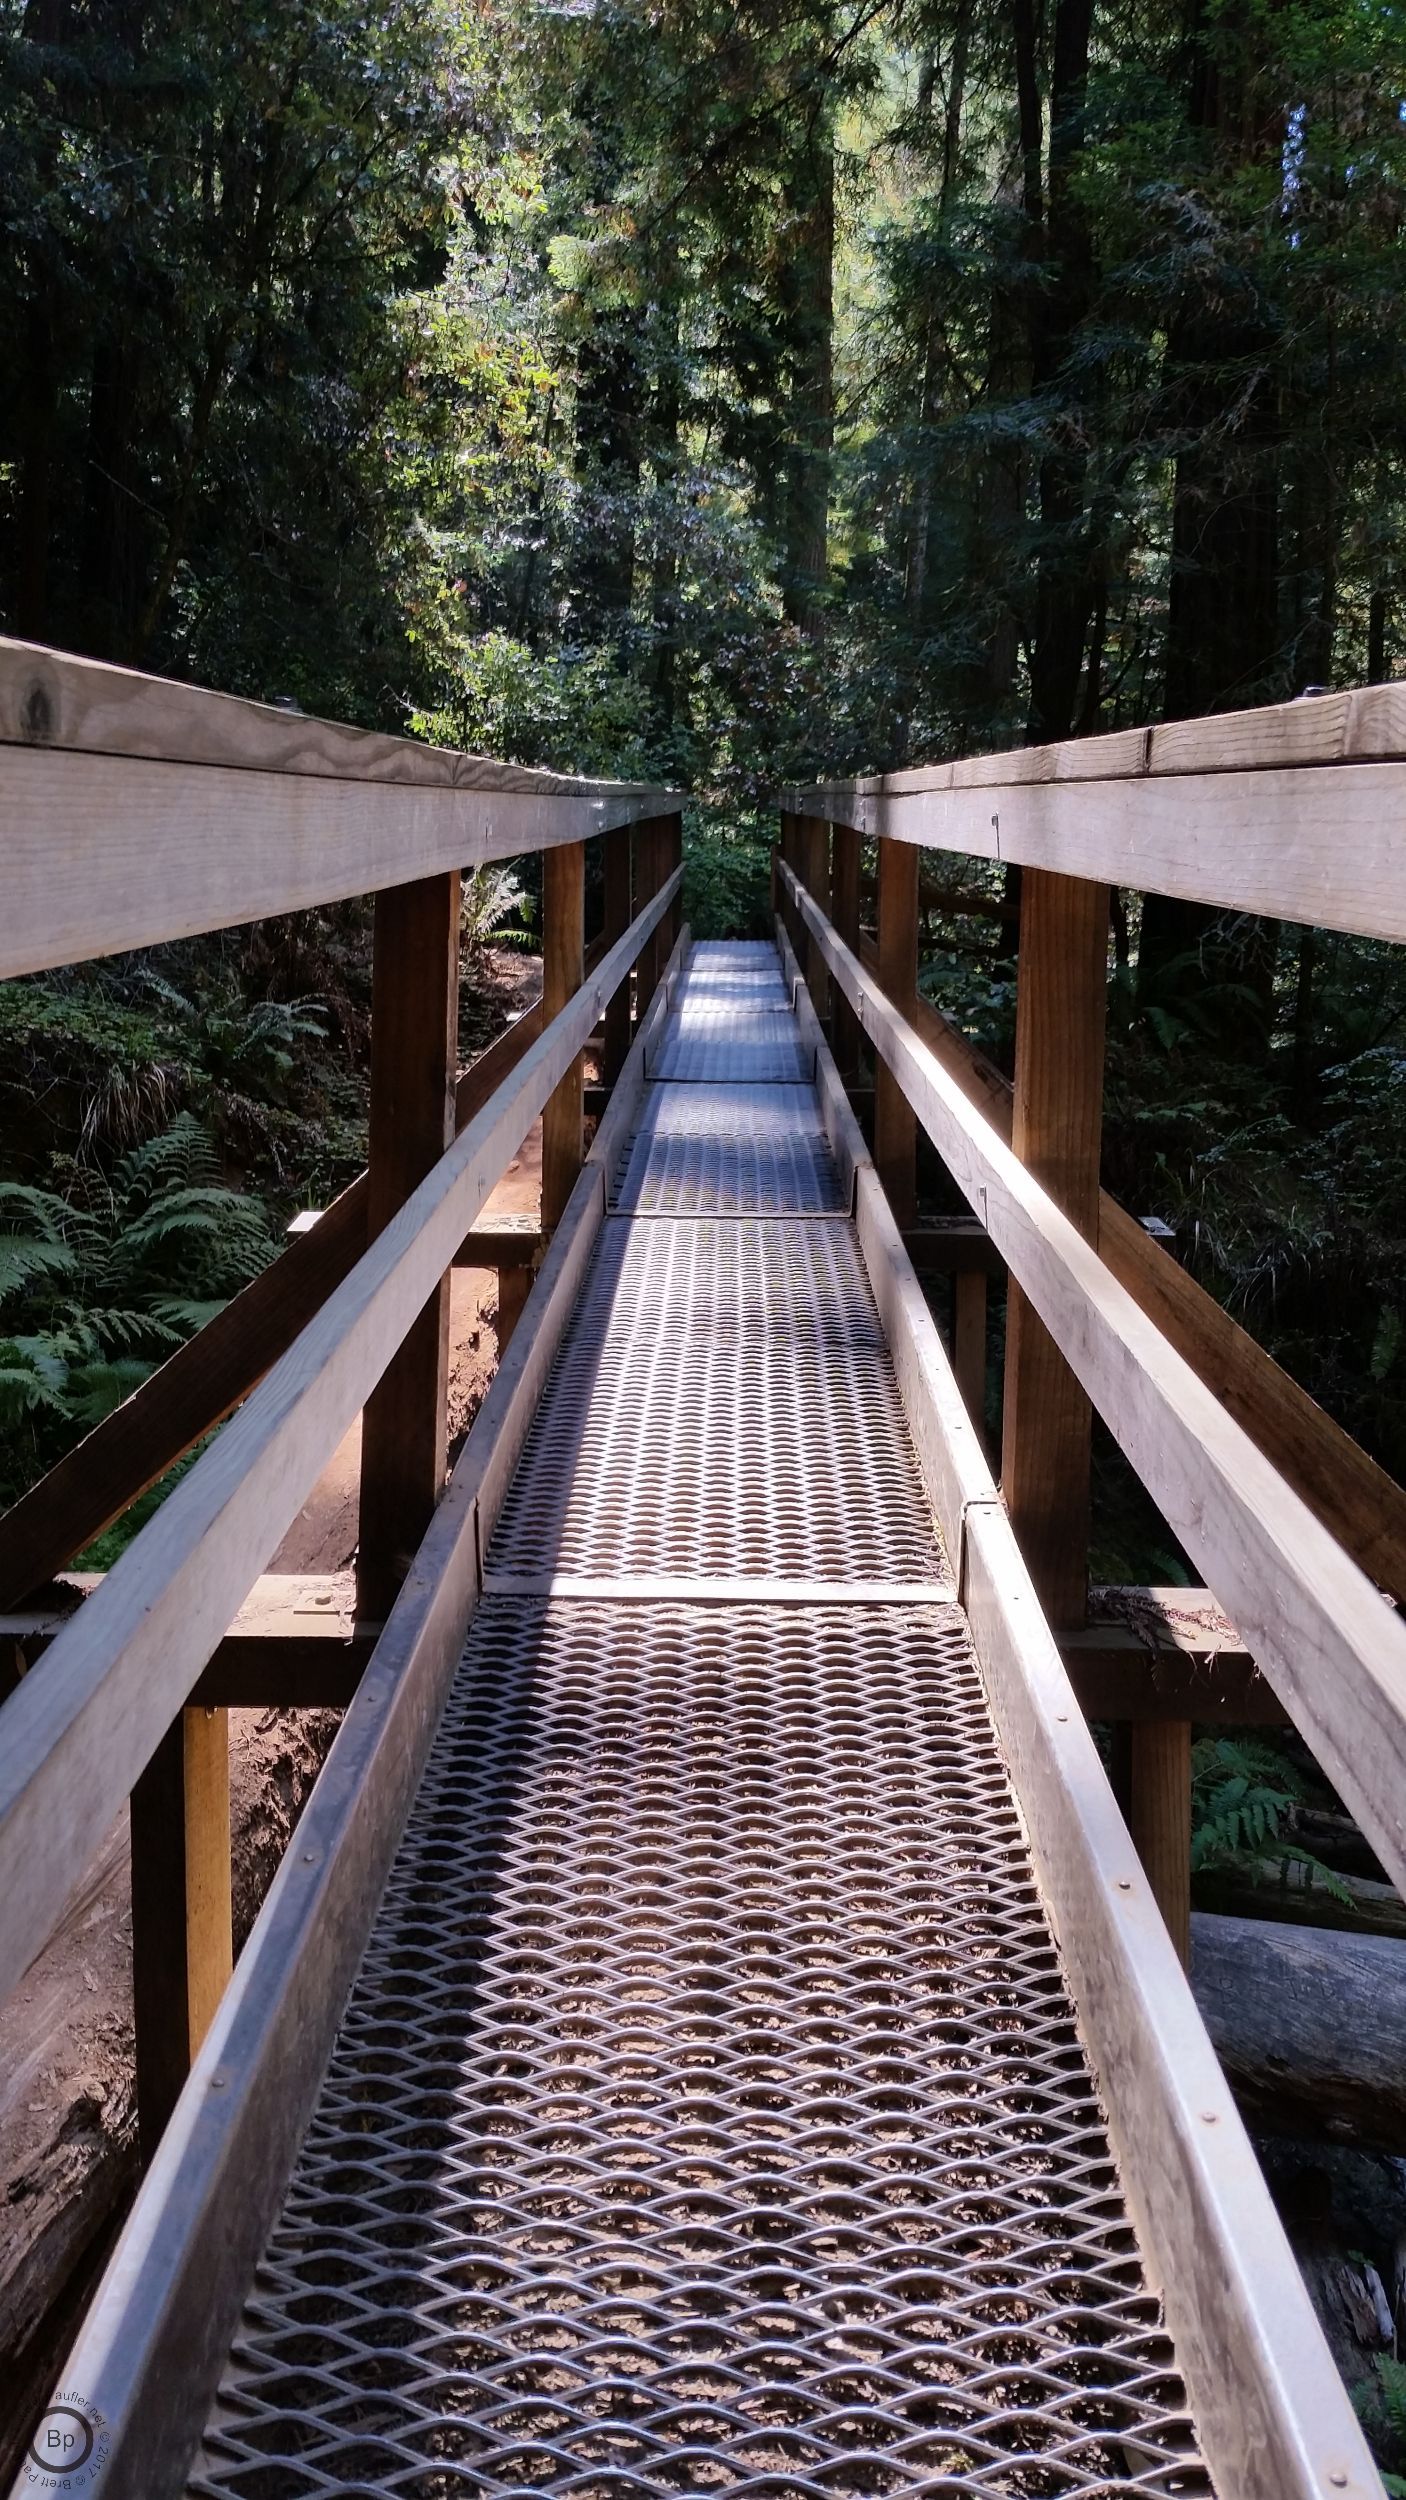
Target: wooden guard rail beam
80,1732
1357,1501
225,811
1290,811
105,1472
1331,1647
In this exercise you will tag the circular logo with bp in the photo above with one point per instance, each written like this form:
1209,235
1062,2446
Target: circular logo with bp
69,2447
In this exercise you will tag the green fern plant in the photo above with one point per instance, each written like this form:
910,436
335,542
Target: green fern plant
1243,1797
490,897
97,1288
1381,2406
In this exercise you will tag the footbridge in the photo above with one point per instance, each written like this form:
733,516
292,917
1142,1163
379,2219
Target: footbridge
714,2029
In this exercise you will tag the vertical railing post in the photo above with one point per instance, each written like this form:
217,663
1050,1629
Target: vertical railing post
895,1128
1159,1818
969,1342
844,911
619,849
563,971
813,869
1061,1000
514,1286
674,859
182,1948
414,1052
1057,1131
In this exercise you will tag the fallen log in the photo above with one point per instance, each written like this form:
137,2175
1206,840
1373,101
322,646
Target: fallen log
1310,2026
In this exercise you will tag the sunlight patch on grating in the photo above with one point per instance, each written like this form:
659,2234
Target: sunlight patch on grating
709,2115
738,1045
731,1279
729,1150
719,1456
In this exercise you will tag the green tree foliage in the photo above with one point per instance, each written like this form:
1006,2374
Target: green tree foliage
735,393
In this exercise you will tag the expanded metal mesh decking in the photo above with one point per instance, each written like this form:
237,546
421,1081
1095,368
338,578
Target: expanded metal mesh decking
732,1045
709,2115
729,1150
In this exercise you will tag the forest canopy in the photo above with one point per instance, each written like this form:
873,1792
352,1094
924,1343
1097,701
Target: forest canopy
726,394
720,392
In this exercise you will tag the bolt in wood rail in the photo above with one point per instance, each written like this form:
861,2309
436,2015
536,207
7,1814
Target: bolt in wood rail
1331,1647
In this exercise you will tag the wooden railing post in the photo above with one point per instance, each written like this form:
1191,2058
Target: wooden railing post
813,869
673,859
618,907
1057,1131
563,971
1159,1818
895,1128
182,1947
414,1052
969,1342
1061,998
844,911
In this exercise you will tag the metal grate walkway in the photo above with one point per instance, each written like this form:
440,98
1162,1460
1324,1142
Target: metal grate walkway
709,2115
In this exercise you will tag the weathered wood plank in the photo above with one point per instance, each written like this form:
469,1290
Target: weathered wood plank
77,1736
1270,2408
182,1929
202,1382
60,701
414,1055
1057,1131
1357,1501
156,2338
895,1129
1159,1819
1312,843
618,878
101,857
1331,1647
844,912
563,968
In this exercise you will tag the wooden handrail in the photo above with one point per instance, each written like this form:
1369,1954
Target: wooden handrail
1357,1501
1290,811
1333,1649
134,810
78,1734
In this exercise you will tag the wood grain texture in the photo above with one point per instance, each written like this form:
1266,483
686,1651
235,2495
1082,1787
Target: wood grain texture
157,2336
1333,1650
969,1342
1160,1820
1358,725
60,701
895,1128
102,856
182,1928
1312,843
1269,2406
844,912
618,874
1362,1506
77,1736
1056,1130
812,840
203,1381
414,1056
563,969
